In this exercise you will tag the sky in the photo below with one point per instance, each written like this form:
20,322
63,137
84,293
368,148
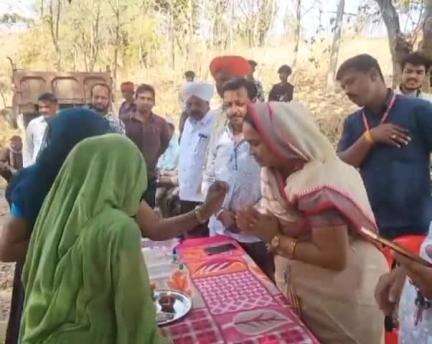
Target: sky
23,7
310,10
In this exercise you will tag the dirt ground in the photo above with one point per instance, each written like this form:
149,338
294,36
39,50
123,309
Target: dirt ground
6,272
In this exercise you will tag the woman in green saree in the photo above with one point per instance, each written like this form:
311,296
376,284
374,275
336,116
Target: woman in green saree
84,277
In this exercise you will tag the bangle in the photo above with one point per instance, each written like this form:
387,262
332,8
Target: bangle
291,248
199,216
368,137
221,210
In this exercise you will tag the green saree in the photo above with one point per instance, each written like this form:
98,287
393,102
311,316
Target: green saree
85,279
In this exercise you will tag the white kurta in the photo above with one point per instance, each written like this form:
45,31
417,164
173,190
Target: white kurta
193,150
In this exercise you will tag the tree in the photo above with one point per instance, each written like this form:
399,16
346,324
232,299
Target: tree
266,17
334,52
53,20
220,29
391,21
401,44
253,20
426,44
297,32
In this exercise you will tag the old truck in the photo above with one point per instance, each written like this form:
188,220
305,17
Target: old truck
70,88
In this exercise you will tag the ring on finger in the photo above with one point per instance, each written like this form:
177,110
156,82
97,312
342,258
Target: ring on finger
394,136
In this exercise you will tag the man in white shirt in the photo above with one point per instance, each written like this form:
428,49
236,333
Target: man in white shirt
167,176
235,165
223,69
415,68
35,131
193,148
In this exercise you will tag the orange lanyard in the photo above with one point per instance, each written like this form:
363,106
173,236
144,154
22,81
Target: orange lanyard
385,115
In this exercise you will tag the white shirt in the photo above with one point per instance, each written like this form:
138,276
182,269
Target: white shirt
218,127
409,331
193,149
416,94
235,165
35,133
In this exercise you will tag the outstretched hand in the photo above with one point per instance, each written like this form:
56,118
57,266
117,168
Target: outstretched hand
215,197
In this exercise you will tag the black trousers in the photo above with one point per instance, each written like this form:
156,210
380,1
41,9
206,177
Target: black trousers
263,258
150,194
17,304
198,231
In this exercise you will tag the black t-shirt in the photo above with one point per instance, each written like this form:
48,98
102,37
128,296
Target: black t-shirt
281,93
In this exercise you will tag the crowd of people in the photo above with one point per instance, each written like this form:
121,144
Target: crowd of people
259,172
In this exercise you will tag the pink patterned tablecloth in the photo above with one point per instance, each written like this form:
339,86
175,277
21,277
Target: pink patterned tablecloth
233,301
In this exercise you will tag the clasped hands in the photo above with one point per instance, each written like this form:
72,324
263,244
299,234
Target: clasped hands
250,221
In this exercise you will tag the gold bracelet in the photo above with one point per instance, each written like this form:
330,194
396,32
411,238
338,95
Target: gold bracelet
198,215
368,137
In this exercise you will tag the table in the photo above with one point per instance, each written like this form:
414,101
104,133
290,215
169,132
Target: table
233,301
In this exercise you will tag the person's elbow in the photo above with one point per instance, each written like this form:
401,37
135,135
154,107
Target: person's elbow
14,239
348,159
7,254
342,155
336,262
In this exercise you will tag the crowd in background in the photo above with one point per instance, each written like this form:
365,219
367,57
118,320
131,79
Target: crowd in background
259,172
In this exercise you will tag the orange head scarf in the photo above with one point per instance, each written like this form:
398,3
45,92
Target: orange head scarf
236,66
127,86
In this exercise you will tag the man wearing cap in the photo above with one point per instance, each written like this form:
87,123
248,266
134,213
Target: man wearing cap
189,77
193,148
223,69
128,106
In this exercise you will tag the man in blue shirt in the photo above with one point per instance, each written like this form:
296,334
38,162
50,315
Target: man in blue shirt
389,140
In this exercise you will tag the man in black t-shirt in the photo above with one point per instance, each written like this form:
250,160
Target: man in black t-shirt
282,92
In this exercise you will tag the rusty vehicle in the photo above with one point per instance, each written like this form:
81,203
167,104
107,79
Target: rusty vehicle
70,88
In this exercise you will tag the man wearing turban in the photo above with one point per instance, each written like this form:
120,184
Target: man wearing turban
223,69
193,148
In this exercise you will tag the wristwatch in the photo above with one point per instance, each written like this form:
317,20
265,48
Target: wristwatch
273,244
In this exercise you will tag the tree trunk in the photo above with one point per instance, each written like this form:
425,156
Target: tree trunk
398,45
54,26
191,29
115,5
230,28
334,54
95,43
265,19
297,32
426,44
172,35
